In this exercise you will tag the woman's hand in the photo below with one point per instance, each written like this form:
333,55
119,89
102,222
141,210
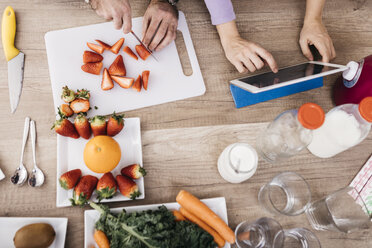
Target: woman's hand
117,10
314,33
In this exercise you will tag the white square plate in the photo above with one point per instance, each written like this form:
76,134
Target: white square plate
217,205
10,225
70,156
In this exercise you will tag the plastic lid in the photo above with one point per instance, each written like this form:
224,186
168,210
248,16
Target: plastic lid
351,71
311,115
365,108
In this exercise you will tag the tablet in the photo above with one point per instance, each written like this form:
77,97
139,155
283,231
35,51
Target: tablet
286,76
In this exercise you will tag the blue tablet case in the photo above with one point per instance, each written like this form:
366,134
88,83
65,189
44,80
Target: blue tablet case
244,98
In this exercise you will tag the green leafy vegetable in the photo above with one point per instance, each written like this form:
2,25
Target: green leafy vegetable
150,229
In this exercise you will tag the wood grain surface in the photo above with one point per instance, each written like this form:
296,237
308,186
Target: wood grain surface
182,140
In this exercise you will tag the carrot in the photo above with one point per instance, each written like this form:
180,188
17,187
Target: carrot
217,238
178,216
101,239
200,210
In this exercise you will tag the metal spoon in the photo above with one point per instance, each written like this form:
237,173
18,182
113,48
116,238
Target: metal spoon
37,176
20,175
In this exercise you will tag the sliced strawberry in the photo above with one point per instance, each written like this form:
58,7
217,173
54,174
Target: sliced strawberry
82,126
64,127
117,68
145,79
142,52
115,124
93,68
97,48
129,51
80,106
124,82
137,84
104,45
133,171
107,83
116,47
65,110
106,187
69,179
98,125
84,190
91,57
127,187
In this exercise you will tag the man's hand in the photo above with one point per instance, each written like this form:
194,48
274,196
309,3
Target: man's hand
117,10
314,33
159,25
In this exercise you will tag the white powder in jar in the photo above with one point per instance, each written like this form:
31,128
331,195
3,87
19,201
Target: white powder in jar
339,132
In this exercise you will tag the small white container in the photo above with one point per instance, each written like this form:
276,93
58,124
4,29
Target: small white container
237,162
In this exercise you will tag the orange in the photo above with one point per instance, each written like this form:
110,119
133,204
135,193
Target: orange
102,154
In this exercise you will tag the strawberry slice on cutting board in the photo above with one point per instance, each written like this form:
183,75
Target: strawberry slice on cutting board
137,84
107,83
104,45
97,48
129,51
145,79
124,82
116,47
92,68
91,57
117,68
142,52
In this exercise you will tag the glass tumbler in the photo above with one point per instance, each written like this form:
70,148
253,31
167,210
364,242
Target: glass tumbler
287,193
343,211
268,233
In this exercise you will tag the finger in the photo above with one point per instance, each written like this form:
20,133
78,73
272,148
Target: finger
248,64
239,66
333,51
118,22
150,32
127,23
159,35
145,24
258,63
306,50
170,36
323,51
268,57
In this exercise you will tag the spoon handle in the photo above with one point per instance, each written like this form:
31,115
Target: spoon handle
25,136
33,140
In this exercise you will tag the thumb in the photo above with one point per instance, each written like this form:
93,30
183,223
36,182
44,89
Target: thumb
306,50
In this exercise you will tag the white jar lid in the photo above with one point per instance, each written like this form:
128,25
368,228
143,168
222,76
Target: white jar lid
352,70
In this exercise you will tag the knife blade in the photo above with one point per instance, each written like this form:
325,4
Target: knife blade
148,50
14,57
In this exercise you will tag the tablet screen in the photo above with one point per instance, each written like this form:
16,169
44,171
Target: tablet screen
286,74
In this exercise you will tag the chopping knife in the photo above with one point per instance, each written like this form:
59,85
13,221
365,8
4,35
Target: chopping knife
138,39
14,57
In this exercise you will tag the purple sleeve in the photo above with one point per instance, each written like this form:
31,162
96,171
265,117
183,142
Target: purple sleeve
221,11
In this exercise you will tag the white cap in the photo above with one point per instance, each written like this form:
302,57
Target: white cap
2,176
352,70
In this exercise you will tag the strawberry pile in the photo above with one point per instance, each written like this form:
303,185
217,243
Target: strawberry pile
78,103
116,72
106,187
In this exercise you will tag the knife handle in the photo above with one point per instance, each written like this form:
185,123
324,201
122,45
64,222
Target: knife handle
8,31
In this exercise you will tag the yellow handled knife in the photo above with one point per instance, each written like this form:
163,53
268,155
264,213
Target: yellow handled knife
14,57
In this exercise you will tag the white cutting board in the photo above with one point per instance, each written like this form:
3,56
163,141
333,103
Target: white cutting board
167,81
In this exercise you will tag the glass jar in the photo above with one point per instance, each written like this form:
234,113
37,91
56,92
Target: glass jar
290,132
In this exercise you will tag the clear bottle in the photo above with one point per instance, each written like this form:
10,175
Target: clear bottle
345,126
290,132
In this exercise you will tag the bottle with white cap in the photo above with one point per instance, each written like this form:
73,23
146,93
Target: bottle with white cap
355,83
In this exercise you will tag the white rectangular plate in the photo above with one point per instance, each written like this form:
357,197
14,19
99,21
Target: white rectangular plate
217,205
70,156
167,82
10,225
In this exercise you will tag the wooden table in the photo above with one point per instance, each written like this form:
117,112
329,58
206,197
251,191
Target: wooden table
182,140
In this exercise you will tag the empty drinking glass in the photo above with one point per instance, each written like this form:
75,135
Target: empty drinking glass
343,211
287,193
268,233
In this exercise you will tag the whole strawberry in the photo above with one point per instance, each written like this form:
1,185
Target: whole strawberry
69,179
82,126
98,125
134,171
127,187
84,190
115,124
65,128
106,187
